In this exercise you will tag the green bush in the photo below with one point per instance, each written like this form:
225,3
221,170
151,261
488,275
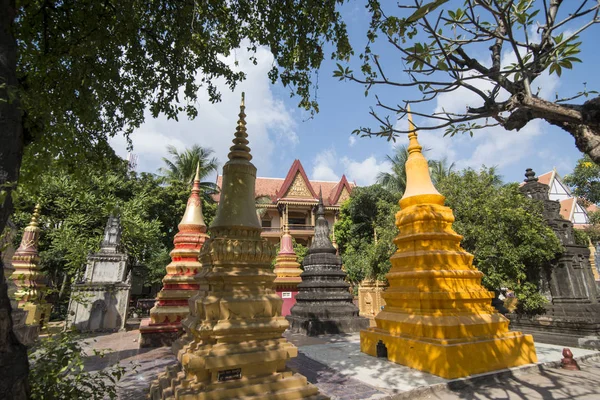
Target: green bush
57,371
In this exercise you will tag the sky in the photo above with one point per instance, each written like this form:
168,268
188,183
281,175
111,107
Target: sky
280,132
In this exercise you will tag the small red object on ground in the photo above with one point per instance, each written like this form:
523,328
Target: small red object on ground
568,362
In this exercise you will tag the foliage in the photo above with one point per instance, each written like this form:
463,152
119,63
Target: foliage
157,56
365,231
503,229
182,167
74,214
57,371
584,182
442,51
581,237
593,229
300,250
395,181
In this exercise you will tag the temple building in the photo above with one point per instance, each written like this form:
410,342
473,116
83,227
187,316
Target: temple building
571,208
294,199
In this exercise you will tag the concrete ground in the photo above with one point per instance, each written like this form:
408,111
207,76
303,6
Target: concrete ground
338,368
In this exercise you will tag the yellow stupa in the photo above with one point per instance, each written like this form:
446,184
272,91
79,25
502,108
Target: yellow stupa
438,318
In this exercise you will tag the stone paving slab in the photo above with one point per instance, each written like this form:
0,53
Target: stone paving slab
337,367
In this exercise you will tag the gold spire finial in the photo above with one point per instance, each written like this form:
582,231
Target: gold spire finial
418,180
240,147
197,177
413,143
33,224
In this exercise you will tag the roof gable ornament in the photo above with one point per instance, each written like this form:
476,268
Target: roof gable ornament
296,183
342,191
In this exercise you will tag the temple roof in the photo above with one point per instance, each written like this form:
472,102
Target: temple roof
298,187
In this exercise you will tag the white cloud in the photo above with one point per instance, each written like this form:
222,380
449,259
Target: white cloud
364,172
351,140
270,124
324,163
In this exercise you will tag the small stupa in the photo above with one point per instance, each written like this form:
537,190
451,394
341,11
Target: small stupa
287,269
438,318
30,282
323,303
179,284
235,327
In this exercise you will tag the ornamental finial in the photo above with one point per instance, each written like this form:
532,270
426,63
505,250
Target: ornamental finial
240,147
418,180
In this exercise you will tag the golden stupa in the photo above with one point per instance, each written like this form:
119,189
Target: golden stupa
233,347
31,283
438,318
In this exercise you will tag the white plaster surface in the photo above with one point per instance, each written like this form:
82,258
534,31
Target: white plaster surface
343,354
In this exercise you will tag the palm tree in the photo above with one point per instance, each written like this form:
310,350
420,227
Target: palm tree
439,170
395,181
182,166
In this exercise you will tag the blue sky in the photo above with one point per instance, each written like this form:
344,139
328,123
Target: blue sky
279,132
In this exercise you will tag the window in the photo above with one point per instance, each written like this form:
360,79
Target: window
266,223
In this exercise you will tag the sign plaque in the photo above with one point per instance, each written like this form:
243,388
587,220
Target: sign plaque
286,295
229,375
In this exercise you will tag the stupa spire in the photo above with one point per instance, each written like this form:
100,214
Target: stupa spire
235,327
29,280
418,180
437,313
323,303
179,283
240,147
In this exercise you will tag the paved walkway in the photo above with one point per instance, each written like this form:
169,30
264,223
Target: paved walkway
338,368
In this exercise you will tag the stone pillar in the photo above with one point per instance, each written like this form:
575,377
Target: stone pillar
370,299
235,324
179,284
30,282
312,216
438,318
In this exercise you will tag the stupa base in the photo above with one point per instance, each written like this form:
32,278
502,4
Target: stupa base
316,327
279,386
453,359
158,335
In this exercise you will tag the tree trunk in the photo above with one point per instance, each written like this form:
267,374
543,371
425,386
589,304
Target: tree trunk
14,367
587,134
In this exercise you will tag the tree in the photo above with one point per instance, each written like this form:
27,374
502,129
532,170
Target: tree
395,181
504,230
68,82
365,232
441,47
584,182
183,165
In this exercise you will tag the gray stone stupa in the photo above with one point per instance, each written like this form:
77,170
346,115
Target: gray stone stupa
572,316
323,303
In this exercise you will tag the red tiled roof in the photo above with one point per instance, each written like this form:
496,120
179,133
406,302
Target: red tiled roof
566,206
545,178
272,186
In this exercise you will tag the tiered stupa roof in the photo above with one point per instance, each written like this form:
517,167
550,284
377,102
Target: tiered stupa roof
179,284
236,349
438,318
